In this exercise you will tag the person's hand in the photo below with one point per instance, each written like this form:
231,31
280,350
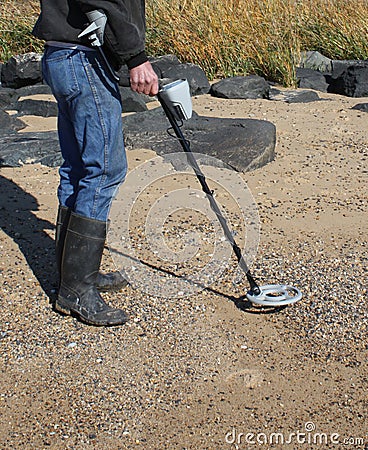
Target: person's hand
143,79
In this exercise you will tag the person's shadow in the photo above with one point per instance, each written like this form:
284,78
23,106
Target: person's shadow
19,222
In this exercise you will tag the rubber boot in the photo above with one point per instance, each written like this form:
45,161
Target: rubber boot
80,262
62,221
111,281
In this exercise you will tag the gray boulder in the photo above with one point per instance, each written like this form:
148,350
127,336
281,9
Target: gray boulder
30,107
169,67
349,78
22,70
163,63
17,149
243,144
315,61
339,67
34,89
311,79
9,124
132,101
198,82
7,97
248,87
361,107
294,96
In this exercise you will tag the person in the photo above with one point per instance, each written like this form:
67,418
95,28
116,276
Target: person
91,139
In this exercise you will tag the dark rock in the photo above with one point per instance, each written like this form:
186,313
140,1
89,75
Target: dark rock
9,124
340,66
22,70
243,144
35,89
275,94
132,101
301,97
17,149
196,77
169,67
294,96
7,97
349,78
311,79
163,63
315,61
249,87
43,108
144,124
361,107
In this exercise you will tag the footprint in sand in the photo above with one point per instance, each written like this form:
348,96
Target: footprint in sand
248,378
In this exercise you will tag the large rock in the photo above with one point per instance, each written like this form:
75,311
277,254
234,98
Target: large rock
349,78
132,101
311,79
249,87
34,89
162,63
9,124
198,82
244,144
22,70
7,97
31,107
169,67
361,107
315,61
294,96
17,149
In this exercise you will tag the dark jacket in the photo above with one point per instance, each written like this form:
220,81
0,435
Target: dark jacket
63,20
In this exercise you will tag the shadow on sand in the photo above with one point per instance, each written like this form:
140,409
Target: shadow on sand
18,221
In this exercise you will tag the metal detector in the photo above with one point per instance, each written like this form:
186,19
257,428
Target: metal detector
176,102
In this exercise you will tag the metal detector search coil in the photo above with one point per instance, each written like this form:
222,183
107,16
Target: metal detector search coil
275,295
177,104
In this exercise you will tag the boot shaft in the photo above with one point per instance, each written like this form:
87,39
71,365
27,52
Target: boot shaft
83,247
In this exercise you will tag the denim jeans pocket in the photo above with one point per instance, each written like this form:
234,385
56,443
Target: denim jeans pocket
60,73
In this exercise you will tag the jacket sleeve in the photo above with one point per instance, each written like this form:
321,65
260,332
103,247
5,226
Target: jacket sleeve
125,29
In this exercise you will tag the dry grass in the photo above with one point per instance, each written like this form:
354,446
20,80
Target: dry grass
16,21
228,37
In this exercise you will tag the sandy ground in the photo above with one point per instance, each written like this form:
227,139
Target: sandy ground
207,370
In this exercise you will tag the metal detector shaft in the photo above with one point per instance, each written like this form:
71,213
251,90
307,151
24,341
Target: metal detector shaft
214,206
107,64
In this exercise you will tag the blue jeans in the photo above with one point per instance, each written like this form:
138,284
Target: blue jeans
90,130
